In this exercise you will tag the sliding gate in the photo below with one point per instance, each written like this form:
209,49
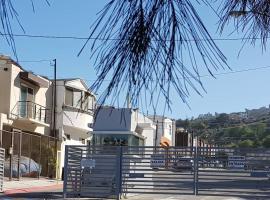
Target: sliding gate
110,171
114,171
157,170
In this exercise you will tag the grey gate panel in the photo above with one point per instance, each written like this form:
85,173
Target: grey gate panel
157,170
92,171
234,172
2,163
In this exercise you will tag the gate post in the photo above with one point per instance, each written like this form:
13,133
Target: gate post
65,172
195,169
119,173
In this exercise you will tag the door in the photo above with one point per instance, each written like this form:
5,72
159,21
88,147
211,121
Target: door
26,102
23,103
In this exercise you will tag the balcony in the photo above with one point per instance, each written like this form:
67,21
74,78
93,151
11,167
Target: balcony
30,112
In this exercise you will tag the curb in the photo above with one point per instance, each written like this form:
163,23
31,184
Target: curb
32,189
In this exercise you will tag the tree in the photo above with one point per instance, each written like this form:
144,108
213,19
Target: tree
249,16
246,144
140,43
266,142
146,56
222,119
182,123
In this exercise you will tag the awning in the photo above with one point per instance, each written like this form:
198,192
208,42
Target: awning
34,79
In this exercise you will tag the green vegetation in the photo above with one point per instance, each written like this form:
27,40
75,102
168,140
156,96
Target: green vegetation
220,132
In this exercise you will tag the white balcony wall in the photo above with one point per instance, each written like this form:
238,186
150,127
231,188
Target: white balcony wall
77,120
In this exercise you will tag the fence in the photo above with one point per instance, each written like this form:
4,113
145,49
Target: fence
2,162
28,155
112,171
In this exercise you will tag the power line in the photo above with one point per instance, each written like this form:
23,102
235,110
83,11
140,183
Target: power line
115,39
34,61
208,75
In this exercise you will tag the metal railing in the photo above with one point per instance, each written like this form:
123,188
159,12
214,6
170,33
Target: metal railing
31,110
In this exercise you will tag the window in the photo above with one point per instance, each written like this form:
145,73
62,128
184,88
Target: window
69,97
73,98
25,107
117,140
82,140
68,136
79,99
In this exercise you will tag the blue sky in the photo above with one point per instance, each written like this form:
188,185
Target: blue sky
227,93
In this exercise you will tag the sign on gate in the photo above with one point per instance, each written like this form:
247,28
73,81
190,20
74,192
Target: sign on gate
90,163
157,161
236,162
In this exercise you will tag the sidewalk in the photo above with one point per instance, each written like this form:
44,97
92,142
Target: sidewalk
28,185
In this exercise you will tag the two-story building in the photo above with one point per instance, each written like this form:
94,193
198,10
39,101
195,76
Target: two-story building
75,111
34,144
25,115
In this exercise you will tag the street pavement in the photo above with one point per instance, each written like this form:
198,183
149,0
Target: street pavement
213,185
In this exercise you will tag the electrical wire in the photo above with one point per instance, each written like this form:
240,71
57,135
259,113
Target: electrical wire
103,39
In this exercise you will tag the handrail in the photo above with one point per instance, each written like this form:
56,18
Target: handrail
29,109
34,103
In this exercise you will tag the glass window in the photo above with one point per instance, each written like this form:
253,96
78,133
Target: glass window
117,140
77,99
68,136
85,102
69,97
82,140
91,103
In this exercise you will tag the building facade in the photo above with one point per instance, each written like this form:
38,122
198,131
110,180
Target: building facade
123,126
75,112
165,130
25,119
33,140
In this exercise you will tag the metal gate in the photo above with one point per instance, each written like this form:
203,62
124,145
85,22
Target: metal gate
92,171
2,162
242,172
112,171
157,170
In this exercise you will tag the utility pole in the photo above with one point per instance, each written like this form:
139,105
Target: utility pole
54,101
55,116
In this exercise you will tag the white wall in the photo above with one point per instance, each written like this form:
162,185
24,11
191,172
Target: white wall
10,95
71,117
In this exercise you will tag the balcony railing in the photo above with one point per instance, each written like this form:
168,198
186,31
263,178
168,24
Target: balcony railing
31,110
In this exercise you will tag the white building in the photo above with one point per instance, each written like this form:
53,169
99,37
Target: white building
75,111
123,126
165,130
